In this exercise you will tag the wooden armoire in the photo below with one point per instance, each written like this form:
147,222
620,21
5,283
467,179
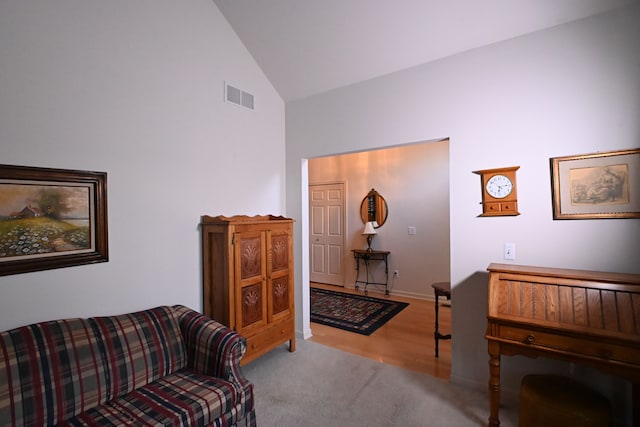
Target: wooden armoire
248,278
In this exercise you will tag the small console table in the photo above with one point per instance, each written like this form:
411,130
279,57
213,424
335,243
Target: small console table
367,256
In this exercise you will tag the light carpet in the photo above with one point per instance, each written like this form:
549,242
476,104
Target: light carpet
319,386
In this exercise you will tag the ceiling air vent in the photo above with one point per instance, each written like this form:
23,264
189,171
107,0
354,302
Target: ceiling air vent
238,97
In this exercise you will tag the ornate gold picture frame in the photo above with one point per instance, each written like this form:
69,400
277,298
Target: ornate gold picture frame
597,185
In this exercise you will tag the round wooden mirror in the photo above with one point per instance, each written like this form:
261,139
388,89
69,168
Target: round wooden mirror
374,208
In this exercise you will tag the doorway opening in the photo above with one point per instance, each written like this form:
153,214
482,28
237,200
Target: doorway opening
414,180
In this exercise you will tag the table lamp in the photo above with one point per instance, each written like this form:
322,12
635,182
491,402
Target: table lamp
370,231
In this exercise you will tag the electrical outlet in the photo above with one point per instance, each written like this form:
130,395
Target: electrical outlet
510,251
396,273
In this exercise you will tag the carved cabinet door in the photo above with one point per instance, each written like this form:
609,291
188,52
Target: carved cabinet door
250,274
279,275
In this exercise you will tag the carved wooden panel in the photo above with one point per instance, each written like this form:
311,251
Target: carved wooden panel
279,252
251,257
603,309
280,295
251,304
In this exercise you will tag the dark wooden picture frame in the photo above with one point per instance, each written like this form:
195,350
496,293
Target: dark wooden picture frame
51,218
597,185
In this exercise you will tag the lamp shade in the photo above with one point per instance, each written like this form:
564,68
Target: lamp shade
369,228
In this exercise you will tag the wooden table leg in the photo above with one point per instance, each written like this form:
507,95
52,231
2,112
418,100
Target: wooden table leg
494,383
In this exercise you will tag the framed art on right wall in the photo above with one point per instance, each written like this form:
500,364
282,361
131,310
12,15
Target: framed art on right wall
597,185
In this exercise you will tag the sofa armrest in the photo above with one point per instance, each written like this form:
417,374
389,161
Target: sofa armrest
212,348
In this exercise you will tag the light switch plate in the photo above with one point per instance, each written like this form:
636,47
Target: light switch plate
510,251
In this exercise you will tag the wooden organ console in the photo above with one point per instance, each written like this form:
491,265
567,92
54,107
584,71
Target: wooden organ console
586,317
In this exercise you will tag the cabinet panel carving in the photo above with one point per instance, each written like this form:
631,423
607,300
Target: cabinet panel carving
251,305
251,257
280,251
280,295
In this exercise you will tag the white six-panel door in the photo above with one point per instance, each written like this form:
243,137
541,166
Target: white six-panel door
326,233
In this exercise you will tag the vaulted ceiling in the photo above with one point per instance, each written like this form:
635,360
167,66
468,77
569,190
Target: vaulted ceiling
306,47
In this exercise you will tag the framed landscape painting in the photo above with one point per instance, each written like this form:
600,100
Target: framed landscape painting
598,185
51,218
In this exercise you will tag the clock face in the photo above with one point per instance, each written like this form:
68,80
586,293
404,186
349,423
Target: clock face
499,186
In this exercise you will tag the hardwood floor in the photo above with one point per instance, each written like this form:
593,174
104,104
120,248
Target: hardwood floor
405,341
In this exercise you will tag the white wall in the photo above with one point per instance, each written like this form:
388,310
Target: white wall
135,89
414,180
573,89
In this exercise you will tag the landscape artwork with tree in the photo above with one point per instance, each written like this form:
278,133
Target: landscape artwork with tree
51,218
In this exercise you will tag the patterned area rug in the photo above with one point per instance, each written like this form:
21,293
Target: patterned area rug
354,313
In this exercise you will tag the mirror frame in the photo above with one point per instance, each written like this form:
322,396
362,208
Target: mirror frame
369,208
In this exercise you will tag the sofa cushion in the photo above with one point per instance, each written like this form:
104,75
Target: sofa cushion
140,348
49,372
180,399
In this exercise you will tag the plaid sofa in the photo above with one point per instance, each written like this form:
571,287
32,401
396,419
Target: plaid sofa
168,366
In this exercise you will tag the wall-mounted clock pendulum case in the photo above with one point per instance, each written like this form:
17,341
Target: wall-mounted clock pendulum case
499,191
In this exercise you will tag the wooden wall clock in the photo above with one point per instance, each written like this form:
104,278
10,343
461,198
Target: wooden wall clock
499,191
